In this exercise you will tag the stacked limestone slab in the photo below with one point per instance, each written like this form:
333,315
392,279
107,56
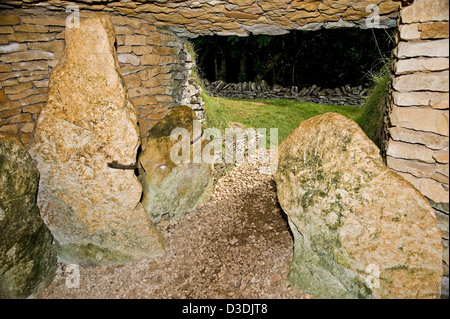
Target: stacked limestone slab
155,64
418,148
240,17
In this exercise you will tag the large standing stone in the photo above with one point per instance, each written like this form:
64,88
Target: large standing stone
360,230
169,188
88,123
27,257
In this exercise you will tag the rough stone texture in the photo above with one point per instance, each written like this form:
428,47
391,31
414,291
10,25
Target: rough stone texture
344,95
419,113
170,188
236,246
24,83
201,17
348,212
92,210
27,257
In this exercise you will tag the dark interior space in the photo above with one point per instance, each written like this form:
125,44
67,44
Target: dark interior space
327,58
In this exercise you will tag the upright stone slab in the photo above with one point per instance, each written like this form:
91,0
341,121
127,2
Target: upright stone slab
360,230
27,256
92,209
170,188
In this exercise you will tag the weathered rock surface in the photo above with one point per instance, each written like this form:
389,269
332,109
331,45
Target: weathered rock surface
27,257
169,188
92,210
360,230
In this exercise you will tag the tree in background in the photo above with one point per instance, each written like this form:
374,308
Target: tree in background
328,58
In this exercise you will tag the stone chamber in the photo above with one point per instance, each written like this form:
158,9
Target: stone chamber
152,49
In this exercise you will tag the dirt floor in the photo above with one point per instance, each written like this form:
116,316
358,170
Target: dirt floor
237,245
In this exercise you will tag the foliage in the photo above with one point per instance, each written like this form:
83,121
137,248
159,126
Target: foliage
328,58
371,119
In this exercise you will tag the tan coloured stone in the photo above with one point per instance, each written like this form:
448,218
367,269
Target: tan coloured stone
441,178
33,99
138,91
129,59
436,100
435,30
132,80
141,50
300,15
416,168
3,98
9,105
5,68
421,65
430,140
88,123
150,59
33,65
242,2
9,20
13,47
424,48
410,151
241,15
47,21
33,109
409,31
436,81
9,129
26,56
23,94
41,83
164,51
388,7
53,46
135,40
425,11
421,119
271,5
31,37
144,100
27,127
124,49
18,88
6,30
9,113
173,19
31,28
123,30
24,117
350,216
428,187
441,156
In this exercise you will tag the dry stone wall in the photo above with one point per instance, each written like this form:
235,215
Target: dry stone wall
154,62
151,38
345,95
418,147
191,18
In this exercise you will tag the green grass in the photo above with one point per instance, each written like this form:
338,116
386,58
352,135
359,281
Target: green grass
285,115
371,119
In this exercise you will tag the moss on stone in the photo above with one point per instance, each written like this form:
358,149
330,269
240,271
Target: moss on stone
90,254
27,257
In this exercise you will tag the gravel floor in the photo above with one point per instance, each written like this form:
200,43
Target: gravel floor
237,245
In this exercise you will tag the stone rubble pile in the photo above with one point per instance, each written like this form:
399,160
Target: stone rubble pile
344,95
